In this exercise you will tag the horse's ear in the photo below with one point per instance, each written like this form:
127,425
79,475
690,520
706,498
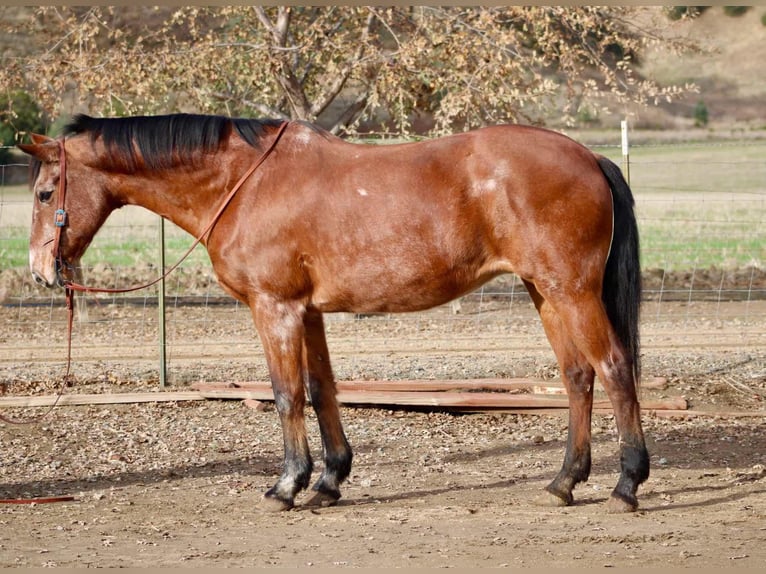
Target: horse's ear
47,150
40,139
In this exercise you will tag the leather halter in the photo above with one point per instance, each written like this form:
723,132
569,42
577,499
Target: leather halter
60,216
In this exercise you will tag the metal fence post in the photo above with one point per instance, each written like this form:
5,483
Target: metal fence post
161,307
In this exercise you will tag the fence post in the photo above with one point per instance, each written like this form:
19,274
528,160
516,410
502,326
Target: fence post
161,307
625,150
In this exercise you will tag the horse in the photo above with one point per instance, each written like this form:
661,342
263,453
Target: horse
298,223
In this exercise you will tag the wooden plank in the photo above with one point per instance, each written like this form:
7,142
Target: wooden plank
404,385
444,385
670,413
653,408
100,399
418,393
514,384
437,399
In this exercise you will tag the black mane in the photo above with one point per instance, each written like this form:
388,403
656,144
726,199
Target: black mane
157,142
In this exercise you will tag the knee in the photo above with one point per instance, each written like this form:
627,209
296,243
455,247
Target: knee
289,404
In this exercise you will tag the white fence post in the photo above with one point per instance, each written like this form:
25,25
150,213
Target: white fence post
625,150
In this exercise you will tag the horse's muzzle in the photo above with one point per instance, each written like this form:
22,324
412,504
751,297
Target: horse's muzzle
59,277
40,280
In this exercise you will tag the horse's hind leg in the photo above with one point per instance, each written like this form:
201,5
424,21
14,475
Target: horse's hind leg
584,317
577,375
321,385
280,326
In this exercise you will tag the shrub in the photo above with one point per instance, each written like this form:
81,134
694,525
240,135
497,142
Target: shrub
735,11
18,113
701,116
678,12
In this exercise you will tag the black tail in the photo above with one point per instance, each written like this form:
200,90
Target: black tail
622,280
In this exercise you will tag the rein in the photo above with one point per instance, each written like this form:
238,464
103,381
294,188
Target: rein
70,287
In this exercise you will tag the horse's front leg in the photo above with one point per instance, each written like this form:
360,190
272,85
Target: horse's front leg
321,385
280,326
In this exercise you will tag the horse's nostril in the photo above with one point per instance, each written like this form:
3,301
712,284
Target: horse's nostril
40,280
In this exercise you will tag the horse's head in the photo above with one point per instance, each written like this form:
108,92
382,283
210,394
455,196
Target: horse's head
67,211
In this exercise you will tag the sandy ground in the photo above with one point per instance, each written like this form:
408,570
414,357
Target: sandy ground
175,484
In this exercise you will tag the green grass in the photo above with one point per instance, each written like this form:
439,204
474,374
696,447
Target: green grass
698,206
14,252
140,253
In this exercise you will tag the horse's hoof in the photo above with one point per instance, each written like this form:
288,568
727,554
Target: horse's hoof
273,504
547,498
320,500
619,505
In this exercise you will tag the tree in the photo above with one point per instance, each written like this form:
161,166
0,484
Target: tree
18,114
348,68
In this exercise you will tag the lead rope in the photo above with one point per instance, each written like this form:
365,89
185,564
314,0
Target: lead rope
70,287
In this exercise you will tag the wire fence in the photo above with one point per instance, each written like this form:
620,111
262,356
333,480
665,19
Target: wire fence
701,209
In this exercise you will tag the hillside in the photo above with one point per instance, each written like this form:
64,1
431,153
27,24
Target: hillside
730,74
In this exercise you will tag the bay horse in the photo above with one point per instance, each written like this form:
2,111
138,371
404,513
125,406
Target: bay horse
298,223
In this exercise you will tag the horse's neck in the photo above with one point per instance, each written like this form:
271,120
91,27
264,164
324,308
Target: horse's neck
188,199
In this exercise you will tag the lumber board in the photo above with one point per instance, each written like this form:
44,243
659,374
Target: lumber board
100,399
488,384
405,385
467,395
437,399
649,408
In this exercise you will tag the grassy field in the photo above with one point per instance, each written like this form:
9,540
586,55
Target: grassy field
129,237
698,205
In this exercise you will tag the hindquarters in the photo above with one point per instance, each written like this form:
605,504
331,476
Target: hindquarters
582,271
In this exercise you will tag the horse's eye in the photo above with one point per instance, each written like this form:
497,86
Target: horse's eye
44,196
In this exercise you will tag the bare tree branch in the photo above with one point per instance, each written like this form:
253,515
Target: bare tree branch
320,105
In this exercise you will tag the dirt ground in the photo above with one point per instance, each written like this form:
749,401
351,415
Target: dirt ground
175,484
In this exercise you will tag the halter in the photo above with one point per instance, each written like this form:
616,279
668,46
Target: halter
59,216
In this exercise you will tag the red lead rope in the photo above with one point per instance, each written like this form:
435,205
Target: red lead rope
70,287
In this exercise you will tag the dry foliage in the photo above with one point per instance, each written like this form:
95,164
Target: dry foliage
349,68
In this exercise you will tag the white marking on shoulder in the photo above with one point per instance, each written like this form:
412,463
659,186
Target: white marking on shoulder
303,137
363,192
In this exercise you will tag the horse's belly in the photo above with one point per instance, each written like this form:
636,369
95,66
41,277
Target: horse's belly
395,290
